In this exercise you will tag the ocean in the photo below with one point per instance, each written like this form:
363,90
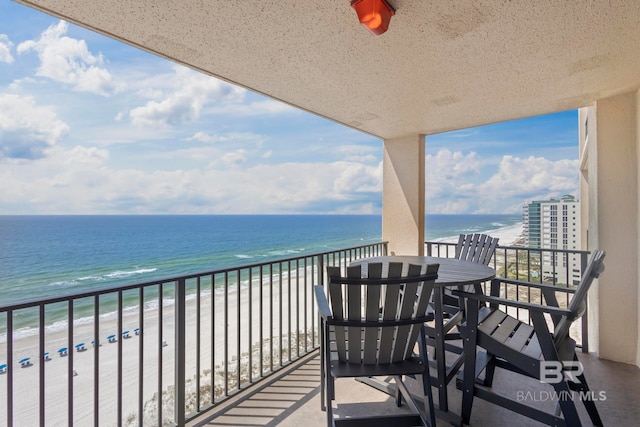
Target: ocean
49,256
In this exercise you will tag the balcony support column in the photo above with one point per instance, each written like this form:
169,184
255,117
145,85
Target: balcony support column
403,195
610,165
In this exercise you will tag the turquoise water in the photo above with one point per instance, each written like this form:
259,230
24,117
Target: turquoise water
49,256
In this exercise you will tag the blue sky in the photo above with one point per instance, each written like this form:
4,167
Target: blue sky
89,125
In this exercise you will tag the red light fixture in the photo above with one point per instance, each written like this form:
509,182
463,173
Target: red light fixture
374,14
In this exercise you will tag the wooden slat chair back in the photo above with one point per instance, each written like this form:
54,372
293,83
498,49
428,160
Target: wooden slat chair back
519,347
478,248
578,304
370,327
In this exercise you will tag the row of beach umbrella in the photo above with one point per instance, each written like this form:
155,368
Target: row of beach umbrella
64,351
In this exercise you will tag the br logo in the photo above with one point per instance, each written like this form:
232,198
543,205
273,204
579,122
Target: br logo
553,372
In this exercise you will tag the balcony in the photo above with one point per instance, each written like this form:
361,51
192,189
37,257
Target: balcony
293,399
240,342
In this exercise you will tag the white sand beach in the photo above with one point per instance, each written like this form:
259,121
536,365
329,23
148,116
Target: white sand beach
58,368
508,235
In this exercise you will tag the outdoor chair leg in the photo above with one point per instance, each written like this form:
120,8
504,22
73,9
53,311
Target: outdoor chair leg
588,403
590,406
469,369
328,404
566,403
489,370
425,380
549,352
323,364
323,372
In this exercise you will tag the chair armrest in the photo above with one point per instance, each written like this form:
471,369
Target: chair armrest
534,285
323,304
512,303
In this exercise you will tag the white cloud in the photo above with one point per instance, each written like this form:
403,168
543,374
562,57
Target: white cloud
358,153
446,172
232,137
447,165
67,180
299,187
356,178
184,100
68,60
455,183
202,154
235,158
535,177
27,130
5,49
80,180
268,106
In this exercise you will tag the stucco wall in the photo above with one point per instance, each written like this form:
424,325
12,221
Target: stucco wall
403,195
638,225
615,225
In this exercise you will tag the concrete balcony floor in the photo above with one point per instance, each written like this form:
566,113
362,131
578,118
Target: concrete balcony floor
292,398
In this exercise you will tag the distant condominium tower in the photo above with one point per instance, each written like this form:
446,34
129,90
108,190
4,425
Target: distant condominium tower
555,224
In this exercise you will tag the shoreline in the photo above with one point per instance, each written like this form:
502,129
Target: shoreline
508,236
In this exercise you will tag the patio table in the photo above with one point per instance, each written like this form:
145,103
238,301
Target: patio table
452,273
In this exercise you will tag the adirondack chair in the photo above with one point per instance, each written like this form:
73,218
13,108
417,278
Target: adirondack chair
524,349
476,248
370,328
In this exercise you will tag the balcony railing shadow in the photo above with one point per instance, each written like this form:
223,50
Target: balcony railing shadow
292,398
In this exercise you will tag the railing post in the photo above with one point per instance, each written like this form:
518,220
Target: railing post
585,316
10,368
180,319
321,270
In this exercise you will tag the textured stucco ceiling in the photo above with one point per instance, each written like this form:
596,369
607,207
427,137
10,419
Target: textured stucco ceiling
442,65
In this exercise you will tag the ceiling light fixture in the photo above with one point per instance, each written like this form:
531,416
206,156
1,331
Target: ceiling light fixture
374,14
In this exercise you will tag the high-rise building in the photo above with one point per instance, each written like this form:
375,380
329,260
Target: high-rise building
555,224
